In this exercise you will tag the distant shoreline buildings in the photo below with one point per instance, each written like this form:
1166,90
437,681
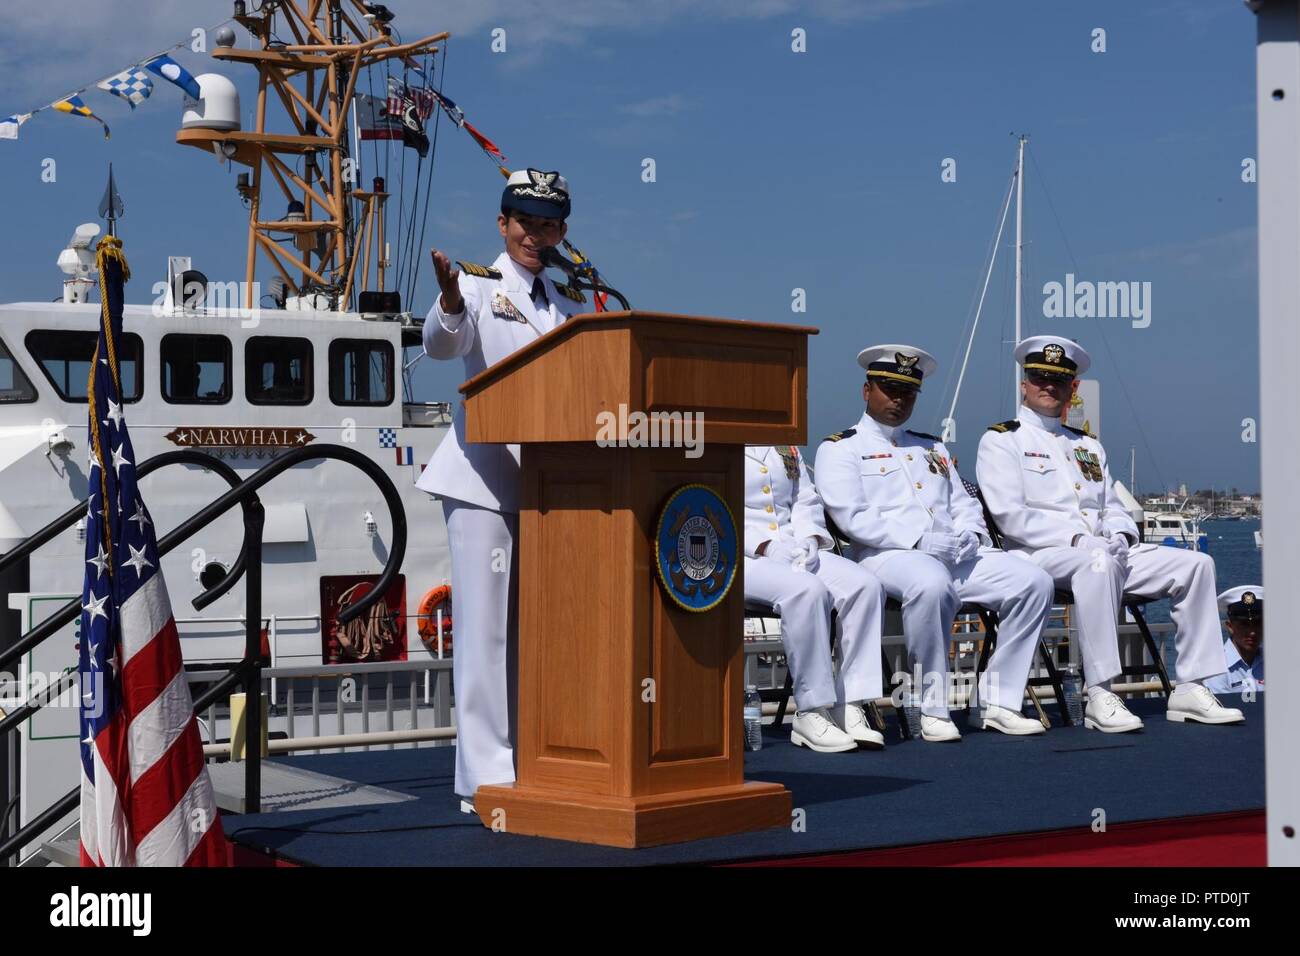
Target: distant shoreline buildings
1206,504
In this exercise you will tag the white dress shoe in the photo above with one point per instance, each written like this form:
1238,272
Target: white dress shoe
1006,720
938,729
1107,713
853,719
1202,706
467,806
816,730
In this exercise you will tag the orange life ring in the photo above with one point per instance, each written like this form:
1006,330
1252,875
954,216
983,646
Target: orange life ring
427,620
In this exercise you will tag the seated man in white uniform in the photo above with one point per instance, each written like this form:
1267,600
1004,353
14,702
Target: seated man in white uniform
1048,488
896,495
785,532
483,314
1244,649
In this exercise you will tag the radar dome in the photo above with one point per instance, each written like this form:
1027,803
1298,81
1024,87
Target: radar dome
219,107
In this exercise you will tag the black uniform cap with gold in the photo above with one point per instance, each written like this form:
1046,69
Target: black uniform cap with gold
535,193
1243,603
1052,355
897,363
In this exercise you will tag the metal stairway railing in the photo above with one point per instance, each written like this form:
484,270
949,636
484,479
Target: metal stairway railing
246,672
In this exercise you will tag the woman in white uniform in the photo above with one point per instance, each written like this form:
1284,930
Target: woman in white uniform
483,315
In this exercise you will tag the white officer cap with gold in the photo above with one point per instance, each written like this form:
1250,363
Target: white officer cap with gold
1245,603
897,363
536,193
1053,355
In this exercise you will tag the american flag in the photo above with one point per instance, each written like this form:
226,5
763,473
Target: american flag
146,799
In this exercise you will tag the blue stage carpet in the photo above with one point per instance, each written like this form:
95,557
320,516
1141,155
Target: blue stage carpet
910,793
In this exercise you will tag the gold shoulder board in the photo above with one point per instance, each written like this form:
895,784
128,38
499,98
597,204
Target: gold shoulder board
474,269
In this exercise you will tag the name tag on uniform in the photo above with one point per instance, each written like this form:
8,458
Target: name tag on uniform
1037,454
503,308
883,454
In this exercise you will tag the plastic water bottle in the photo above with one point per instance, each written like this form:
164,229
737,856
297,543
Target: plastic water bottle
1073,693
753,719
912,713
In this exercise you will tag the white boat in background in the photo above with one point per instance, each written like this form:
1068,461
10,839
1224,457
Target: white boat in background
222,370
1165,521
1170,522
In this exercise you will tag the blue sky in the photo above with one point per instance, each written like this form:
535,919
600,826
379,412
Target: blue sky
775,170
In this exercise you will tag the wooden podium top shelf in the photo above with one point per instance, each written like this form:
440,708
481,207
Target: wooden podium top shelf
747,379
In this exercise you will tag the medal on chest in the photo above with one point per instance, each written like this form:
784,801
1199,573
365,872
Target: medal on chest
938,463
1088,463
790,458
503,308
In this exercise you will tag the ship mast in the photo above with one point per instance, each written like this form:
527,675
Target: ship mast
312,83
1020,222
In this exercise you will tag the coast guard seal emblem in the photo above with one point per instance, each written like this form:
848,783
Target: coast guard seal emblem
696,548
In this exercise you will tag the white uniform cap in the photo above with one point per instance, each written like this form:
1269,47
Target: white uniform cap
537,193
1053,354
897,363
1247,595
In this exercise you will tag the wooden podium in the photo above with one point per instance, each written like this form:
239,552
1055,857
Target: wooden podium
630,728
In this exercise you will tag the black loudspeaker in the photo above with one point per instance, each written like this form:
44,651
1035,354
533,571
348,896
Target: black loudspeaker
191,289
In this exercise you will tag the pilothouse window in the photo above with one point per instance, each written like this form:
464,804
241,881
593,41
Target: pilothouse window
196,369
278,370
14,385
361,372
65,356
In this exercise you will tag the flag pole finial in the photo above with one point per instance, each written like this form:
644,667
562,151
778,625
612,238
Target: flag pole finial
110,207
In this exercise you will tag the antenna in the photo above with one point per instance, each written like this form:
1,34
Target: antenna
1020,255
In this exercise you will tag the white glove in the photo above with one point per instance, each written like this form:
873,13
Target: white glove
783,550
1089,542
1117,546
811,549
945,547
969,543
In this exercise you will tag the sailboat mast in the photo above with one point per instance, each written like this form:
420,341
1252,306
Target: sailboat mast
949,423
1020,224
